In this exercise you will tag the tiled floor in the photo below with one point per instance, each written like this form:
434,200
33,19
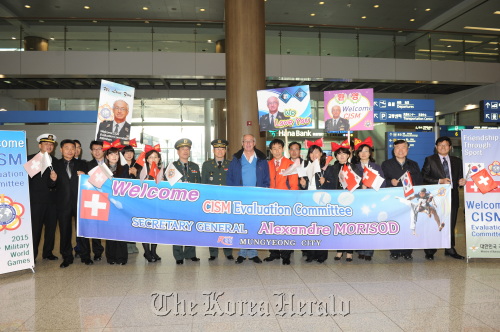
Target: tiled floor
381,295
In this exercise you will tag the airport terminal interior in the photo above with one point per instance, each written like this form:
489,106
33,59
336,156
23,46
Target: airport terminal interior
175,53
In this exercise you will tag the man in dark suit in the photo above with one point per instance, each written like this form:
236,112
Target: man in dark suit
118,128
336,123
68,169
441,168
267,121
43,201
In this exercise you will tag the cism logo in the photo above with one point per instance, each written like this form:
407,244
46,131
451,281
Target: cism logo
226,240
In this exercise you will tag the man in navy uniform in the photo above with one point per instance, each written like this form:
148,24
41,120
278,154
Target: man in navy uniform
43,201
214,172
190,173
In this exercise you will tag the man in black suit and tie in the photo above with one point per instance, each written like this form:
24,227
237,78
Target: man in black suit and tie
68,169
441,168
267,121
119,128
43,201
336,123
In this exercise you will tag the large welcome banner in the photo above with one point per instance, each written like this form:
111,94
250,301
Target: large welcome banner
481,150
261,218
16,243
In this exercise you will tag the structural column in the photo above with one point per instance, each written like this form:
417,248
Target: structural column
245,69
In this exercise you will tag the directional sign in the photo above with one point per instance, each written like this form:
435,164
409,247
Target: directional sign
490,110
404,110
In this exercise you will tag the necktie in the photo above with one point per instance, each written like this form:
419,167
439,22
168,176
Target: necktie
272,119
68,168
334,123
446,168
116,129
185,168
277,164
220,164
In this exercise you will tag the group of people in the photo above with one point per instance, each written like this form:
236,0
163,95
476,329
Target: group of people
54,193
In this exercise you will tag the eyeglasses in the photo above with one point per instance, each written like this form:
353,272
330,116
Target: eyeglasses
248,142
123,109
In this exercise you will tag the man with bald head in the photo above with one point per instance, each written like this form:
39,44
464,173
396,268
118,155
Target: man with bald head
118,128
336,123
267,121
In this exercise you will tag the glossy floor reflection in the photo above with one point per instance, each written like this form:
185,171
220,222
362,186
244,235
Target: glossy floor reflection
381,295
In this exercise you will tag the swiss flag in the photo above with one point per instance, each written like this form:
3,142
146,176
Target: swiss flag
470,187
97,177
407,183
94,205
484,181
350,178
140,160
371,178
34,165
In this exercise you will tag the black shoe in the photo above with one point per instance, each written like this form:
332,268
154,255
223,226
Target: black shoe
453,254
195,259
429,257
179,261
286,261
368,258
87,261
121,263
230,257
408,257
212,258
256,259
77,254
156,257
97,257
65,264
348,259
51,257
240,259
149,257
361,256
337,258
111,263
309,259
269,259
394,256
321,261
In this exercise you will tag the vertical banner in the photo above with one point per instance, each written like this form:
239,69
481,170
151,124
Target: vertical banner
16,244
481,156
284,108
116,102
348,110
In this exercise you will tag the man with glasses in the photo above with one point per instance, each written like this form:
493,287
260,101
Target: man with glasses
441,168
267,121
248,168
118,128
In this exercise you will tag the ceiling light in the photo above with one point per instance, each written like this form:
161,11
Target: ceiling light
13,37
94,21
198,24
435,82
321,2
481,28
52,38
27,6
311,26
437,51
428,10
145,8
376,6
41,21
363,17
448,45
202,9
312,14
461,41
481,53
470,107
86,7
146,22
412,20
209,41
497,12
